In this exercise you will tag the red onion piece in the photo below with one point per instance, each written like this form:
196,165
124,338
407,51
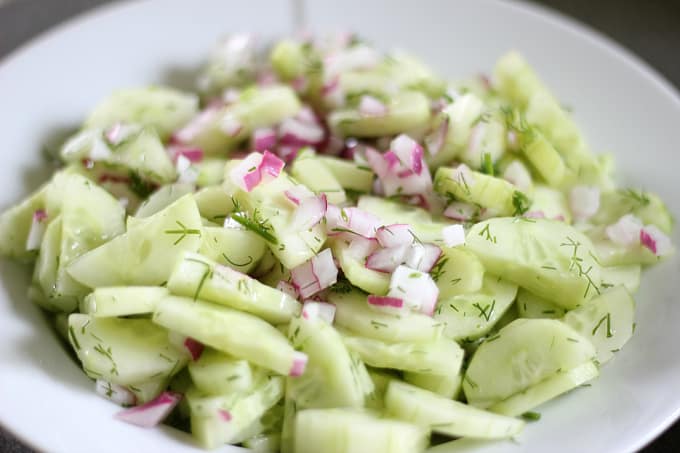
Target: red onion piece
517,174
422,257
299,364
313,310
394,235
152,413
351,221
461,212
224,415
37,231
626,231
194,347
197,125
385,301
584,202
435,141
192,153
655,240
314,275
387,259
298,193
534,215
416,288
287,288
371,106
264,139
256,168
454,235
309,212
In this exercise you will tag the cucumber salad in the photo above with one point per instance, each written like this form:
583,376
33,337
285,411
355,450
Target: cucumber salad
328,248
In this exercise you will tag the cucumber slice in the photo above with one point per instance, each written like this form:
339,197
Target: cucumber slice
544,158
90,217
267,206
470,316
551,387
486,141
332,377
353,431
522,354
266,427
235,247
352,312
256,107
607,320
15,224
264,443
350,175
447,386
628,276
230,331
227,419
147,391
215,373
442,356
149,251
123,351
549,258
196,276
494,194
458,271
407,111
531,306
646,206
422,224
311,172
288,59
358,274
145,155
163,108
551,202
45,272
162,198
210,172
213,203
380,379
445,416
122,301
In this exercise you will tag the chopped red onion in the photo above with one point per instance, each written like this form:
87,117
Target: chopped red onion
313,310
360,247
264,139
351,221
298,193
37,231
655,240
461,212
416,288
309,212
626,231
194,347
422,257
584,202
454,235
192,153
385,301
224,415
119,132
197,125
394,235
435,141
256,168
120,395
518,175
371,106
387,259
315,274
152,413
287,288
535,215
299,132
299,364
231,125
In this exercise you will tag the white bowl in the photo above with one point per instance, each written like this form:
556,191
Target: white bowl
622,105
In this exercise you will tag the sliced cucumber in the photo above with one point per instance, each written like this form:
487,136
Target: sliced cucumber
549,388
148,251
358,274
442,356
646,206
522,354
197,277
147,391
213,203
163,108
494,194
470,316
407,111
380,379
264,443
544,158
606,320
532,306
628,276
15,224
422,224
445,416
45,272
549,258
458,271
234,247
447,386
122,301
230,331
216,373
210,172
311,172
353,313
349,175
551,202
162,198
123,351
226,419
332,377
353,431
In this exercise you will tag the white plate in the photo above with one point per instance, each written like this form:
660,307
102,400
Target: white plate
622,105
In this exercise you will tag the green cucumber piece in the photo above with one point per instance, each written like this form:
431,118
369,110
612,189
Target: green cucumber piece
15,224
198,277
148,251
354,431
162,198
264,443
544,158
646,206
147,391
470,316
457,272
45,272
549,258
123,351
122,301
213,203
551,387
235,247
447,386
353,313
230,331
226,419
442,356
210,172
358,274
532,306
606,320
350,175
216,373
551,202
445,416
332,377
522,354
311,172
288,59
424,227
407,111
627,275
165,109
494,194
